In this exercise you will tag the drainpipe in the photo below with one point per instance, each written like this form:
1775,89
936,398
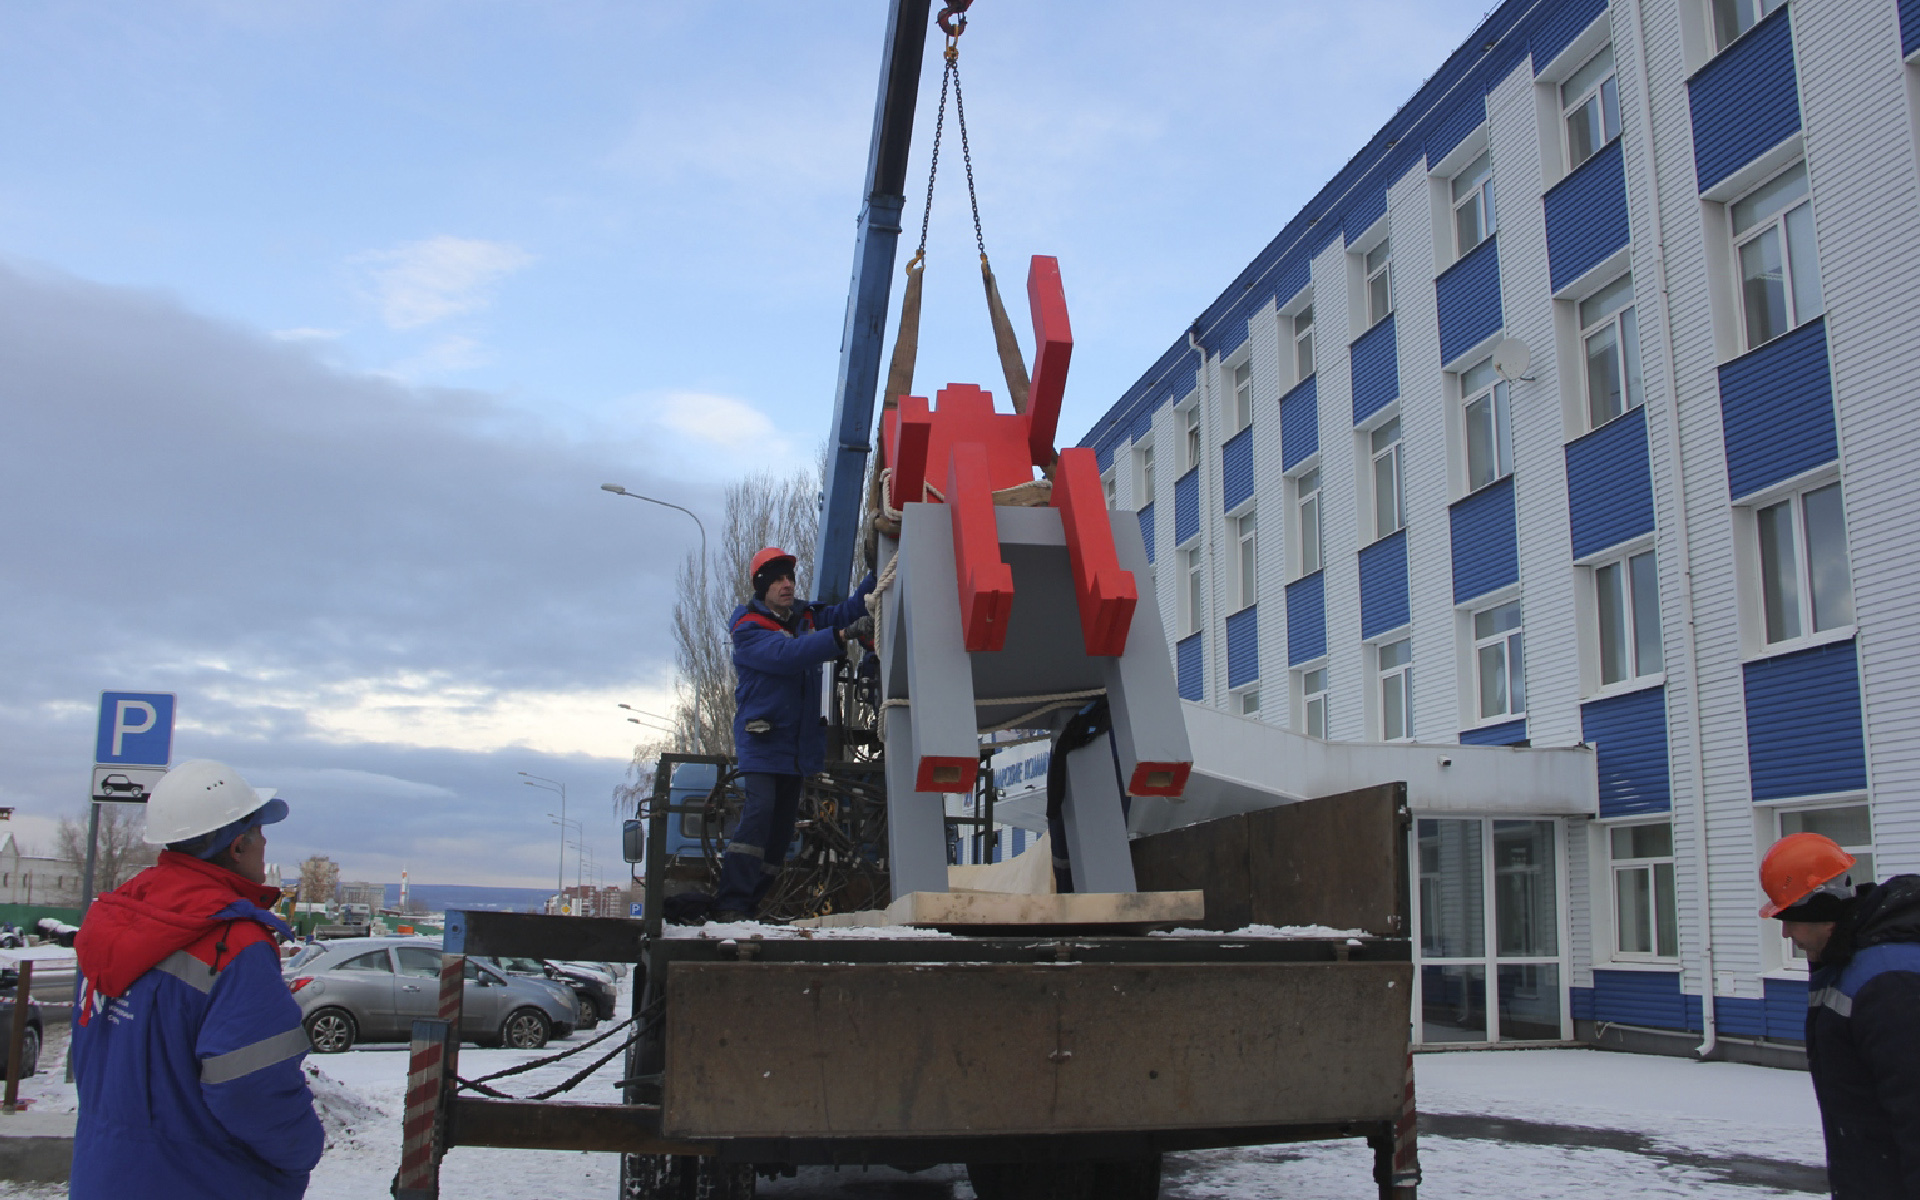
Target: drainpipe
1205,405
1670,417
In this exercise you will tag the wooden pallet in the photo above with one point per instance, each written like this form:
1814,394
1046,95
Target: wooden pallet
967,910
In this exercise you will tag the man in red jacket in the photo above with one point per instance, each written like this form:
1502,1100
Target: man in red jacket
187,1046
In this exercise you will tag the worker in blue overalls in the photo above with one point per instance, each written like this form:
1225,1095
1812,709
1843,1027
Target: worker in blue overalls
779,735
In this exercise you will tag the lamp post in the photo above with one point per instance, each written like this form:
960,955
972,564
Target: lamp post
699,737
579,848
559,876
635,719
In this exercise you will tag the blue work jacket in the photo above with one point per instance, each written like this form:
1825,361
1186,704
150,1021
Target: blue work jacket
1863,1045
187,1045
776,668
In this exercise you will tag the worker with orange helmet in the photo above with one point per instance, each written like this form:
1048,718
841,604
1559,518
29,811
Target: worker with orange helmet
779,734
1863,1015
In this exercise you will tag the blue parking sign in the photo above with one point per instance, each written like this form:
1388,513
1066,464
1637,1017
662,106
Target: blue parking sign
136,729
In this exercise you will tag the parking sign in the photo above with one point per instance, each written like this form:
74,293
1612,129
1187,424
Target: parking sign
136,729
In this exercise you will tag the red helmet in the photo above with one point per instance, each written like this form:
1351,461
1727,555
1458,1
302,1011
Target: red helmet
1797,866
772,554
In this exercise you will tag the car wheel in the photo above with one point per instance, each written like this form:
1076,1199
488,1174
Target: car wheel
525,1029
30,1051
589,1015
331,1030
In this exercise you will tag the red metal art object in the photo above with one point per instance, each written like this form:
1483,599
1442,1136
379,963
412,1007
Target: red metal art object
974,451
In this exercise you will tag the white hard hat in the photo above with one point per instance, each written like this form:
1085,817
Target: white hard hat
200,796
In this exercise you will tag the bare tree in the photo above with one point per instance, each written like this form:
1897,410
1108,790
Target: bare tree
763,509
122,853
319,880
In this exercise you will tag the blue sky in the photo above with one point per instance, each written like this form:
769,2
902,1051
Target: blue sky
325,321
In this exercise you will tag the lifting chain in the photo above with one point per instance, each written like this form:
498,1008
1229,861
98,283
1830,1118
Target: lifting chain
953,23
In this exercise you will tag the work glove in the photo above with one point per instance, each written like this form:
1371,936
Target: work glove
859,631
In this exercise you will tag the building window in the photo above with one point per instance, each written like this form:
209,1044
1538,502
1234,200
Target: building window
1306,507
1498,662
1489,428
1389,501
1313,702
1805,584
1190,564
1779,263
1731,18
1611,336
1473,204
1250,702
1246,537
1851,826
1395,661
1645,921
1303,343
1379,264
1241,415
1626,595
1144,487
1109,487
1190,423
1591,102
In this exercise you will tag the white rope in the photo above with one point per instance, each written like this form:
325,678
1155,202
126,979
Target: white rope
1048,702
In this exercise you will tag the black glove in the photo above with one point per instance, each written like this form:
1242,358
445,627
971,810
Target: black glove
861,629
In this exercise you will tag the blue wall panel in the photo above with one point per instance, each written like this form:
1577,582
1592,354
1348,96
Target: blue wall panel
1243,646
1146,529
1186,506
1587,216
1364,211
1609,484
1375,359
1786,1001
1909,26
1746,101
1300,423
1507,733
1468,293
1558,25
1142,428
1629,734
1383,585
1649,999
1306,618
1803,723
1776,410
1455,124
1486,550
1191,668
1103,454
1236,468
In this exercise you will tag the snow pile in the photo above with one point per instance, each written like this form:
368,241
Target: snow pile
350,1118
1283,932
749,930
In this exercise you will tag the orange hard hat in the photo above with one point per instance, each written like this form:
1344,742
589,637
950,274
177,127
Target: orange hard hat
1796,866
771,554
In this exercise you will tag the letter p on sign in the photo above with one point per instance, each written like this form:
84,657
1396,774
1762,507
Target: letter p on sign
136,729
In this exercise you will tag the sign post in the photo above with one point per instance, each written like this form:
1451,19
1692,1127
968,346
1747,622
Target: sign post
131,750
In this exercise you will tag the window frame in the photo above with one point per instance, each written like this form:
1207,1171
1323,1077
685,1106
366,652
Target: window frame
1110,488
1745,13
1399,675
1512,643
1773,821
1239,398
1393,454
1192,434
1306,509
1775,224
1241,698
1143,473
1498,394
1193,601
1245,529
1623,322
1310,700
1602,93
1639,674
1382,272
1304,363
1756,632
1481,197
1659,897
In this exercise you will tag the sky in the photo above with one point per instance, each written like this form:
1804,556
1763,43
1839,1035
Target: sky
321,325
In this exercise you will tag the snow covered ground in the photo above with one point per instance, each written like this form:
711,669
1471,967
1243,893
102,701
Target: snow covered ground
1498,1125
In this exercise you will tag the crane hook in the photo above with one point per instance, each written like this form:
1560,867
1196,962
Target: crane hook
953,19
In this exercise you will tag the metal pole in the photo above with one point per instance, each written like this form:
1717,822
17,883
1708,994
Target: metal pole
22,996
699,737
93,851
560,873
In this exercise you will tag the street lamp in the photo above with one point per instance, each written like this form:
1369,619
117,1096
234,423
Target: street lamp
699,739
554,785
579,847
636,719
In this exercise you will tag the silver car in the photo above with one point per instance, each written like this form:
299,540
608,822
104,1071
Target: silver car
373,989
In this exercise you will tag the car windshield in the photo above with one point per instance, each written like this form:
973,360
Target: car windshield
306,955
522,966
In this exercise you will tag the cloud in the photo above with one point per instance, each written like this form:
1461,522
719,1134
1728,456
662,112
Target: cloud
331,570
427,281
721,420
307,335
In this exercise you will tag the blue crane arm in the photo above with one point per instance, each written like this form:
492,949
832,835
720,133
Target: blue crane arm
863,336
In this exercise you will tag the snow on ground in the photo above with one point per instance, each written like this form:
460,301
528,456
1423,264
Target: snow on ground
1519,1125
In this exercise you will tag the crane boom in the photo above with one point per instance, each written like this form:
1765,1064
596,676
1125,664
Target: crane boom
863,335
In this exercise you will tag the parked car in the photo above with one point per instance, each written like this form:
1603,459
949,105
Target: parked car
373,989
598,996
30,1044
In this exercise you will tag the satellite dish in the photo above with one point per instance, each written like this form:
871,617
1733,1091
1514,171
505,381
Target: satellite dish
1511,359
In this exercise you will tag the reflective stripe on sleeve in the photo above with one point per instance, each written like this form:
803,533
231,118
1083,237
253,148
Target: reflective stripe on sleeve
188,970
225,1068
1833,998
746,848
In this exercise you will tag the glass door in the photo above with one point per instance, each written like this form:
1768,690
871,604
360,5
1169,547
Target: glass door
1490,950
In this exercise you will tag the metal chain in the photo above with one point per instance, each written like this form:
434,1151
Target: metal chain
933,170
951,74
